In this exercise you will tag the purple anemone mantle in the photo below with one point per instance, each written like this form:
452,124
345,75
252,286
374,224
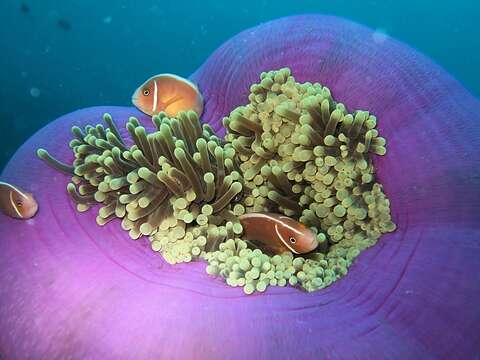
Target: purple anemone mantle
72,289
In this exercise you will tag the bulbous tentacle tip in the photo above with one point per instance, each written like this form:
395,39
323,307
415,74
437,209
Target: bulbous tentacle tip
54,163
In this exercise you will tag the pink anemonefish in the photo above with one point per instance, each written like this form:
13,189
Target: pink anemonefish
168,93
278,233
16,203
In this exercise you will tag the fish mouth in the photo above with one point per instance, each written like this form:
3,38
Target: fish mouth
135,96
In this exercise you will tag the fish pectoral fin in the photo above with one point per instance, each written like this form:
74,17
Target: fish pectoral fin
172,100
253,244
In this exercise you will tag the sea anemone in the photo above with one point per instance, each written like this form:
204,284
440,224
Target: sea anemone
300,153
156,185
73,289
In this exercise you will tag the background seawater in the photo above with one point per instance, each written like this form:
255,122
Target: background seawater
59,56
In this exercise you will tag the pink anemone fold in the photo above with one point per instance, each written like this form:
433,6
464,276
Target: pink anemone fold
72,289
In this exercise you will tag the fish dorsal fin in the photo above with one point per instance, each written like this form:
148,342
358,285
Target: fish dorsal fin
5,190
5,185
13,188
167,76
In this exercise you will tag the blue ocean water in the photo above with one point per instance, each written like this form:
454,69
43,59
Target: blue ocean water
57,57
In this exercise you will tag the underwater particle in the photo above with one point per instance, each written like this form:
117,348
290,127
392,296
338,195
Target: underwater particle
34,92
64,24
107,20
24,8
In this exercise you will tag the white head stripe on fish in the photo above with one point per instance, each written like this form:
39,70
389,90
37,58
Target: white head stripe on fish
22,194
284,241
155,96
293,229
14,205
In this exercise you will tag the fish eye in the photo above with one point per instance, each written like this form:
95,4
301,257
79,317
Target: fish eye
19,204
146,92
292,240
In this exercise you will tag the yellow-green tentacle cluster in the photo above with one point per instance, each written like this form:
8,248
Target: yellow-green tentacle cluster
255,271
192,230
293,149
307,156
167,179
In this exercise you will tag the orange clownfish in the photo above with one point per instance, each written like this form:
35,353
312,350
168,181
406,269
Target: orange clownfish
16,203
278,233
168,93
